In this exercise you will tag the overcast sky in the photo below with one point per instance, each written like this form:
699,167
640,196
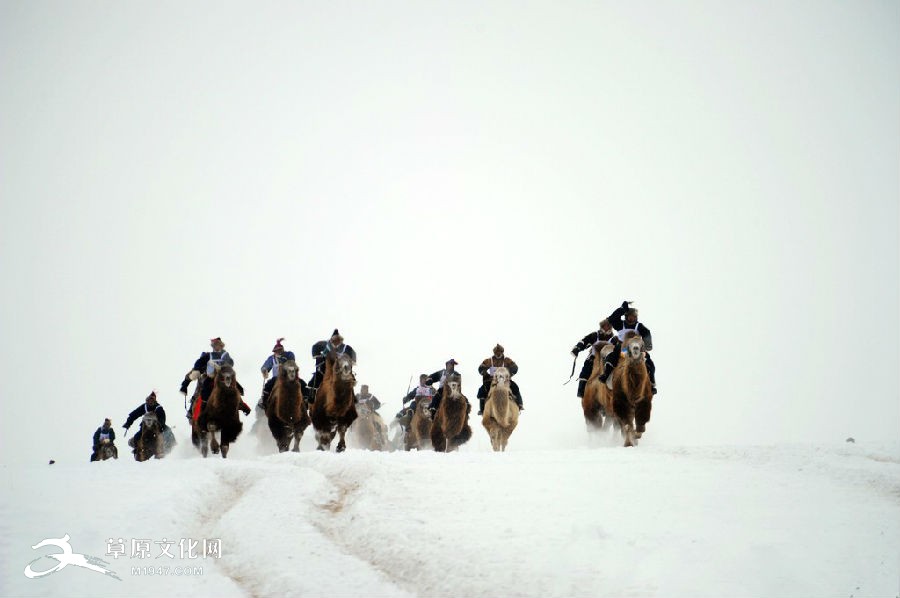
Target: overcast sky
435,177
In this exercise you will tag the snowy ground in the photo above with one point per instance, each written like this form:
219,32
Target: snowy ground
597,520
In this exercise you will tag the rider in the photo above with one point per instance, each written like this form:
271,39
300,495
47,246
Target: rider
604,335
272,363
105,432
150,406
487,368
319,351
423,391
368,399
440,376
205,369
625,318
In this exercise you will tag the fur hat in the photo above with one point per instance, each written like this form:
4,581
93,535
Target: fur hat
498,348
152,395
278,345
336,334
218,339
452,361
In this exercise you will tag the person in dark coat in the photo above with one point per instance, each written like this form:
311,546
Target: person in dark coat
366,398
319,351
150,406
271,365
104,432
487,368
204,371
424,391
440,376
624,319
593,340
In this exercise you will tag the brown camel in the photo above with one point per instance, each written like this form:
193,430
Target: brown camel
286,409
150,444
597,400
419,434
219,417
632,393
334,407
451,422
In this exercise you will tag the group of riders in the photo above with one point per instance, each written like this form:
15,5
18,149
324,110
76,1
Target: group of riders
612,331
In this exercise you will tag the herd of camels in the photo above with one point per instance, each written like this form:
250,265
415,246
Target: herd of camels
623,403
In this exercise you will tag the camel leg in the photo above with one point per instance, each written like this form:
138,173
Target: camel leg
624,411
225,450
438,442
214,441
204,444
298,434
341,445
323,439
641,415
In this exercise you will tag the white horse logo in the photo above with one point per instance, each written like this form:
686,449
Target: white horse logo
67,558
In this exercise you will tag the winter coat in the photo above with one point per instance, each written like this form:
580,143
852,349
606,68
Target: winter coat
591,338
273,361
101,433
617,321
203,366
144,408
371,400
323,348
419,391
439,376
486,369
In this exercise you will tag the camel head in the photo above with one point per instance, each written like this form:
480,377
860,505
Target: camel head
225,376
633,347
501,377
343,368
289,370
453,385
150,423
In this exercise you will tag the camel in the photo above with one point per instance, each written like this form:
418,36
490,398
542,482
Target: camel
501,414
150,444
369,430
219,417
632,393
597,400
451,428
418,436
334,408
105,450
286,408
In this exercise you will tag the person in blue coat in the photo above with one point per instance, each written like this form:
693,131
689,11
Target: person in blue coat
271,365
104,432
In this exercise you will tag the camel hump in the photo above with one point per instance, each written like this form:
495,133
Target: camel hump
604,348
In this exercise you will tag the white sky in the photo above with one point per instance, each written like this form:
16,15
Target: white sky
432,178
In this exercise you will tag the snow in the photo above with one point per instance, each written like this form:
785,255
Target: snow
594,519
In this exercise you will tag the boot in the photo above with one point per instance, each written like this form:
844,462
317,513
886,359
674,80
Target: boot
481,406
581,384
